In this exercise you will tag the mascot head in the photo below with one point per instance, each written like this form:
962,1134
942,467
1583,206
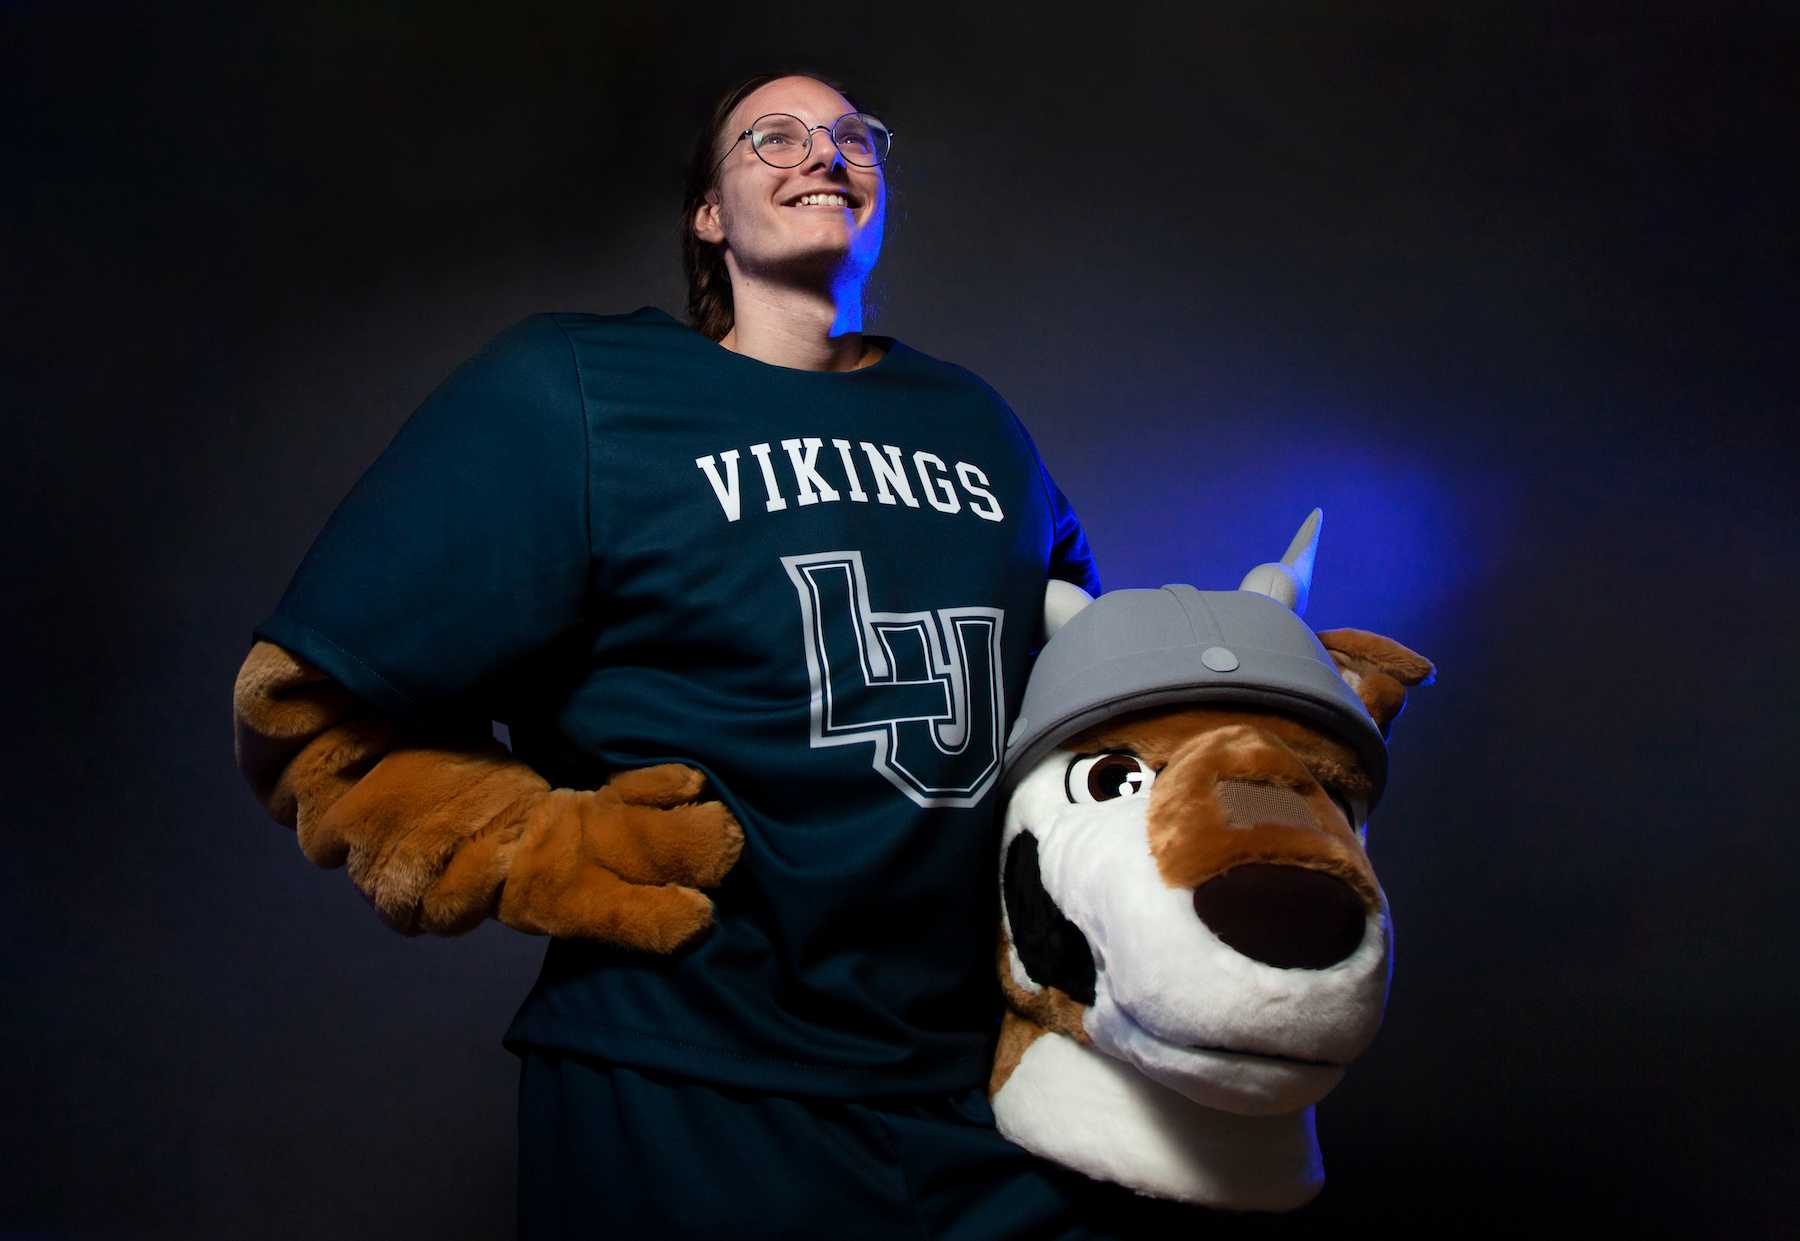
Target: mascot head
1194,944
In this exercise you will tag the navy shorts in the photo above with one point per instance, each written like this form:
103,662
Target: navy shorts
614,1152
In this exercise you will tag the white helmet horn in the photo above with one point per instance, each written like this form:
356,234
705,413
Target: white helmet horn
1061,601
1290,579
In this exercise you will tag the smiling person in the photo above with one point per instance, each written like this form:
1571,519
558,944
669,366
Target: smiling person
755,595
778,250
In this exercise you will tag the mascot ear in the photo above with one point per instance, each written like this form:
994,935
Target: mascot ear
1379,669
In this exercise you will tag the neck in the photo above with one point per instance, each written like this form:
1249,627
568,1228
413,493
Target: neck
1082,1108
803,328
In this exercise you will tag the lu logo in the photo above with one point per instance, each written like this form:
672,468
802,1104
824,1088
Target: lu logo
924,689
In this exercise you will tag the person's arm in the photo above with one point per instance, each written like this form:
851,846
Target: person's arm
441,833
1068,557
1071,559
362,709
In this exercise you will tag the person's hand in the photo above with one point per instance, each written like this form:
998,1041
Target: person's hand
440,834
622,863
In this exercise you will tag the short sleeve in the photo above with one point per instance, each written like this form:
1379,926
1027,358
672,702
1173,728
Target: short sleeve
1071,559
463,551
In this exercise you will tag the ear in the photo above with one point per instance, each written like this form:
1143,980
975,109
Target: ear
706,221
1379,669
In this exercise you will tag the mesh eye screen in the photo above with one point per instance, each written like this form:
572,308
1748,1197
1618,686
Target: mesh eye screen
1248,803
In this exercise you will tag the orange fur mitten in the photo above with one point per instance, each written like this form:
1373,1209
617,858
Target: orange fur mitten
443,834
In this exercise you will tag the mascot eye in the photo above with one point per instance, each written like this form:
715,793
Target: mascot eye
1103,777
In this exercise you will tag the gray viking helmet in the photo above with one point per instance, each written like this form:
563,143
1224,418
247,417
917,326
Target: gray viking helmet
1130,650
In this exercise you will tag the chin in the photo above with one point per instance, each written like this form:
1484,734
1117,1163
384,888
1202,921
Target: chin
829,263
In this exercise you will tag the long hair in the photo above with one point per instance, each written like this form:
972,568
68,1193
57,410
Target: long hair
709,305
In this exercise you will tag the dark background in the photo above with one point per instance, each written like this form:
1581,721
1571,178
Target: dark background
1509,290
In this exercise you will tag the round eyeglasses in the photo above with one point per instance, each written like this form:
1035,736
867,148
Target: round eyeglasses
783,141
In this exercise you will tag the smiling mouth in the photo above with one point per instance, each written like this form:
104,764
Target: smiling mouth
844,201
1216,1050
1263,1055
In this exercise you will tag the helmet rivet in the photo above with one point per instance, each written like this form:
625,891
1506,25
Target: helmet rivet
1219,659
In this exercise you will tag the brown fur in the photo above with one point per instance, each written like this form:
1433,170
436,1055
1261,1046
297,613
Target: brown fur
1155,735
441,836
278,705
1379,669
1016,1035
1191,839
1051,1007
1029,1016
1193,748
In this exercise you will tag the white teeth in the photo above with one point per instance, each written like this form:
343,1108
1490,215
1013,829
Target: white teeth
821,200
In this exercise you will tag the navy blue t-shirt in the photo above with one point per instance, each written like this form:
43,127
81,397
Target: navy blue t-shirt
822,589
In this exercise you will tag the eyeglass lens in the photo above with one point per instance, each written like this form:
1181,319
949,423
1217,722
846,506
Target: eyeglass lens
781,140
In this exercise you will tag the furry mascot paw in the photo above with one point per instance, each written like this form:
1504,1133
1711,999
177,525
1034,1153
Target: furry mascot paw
1193,945
440,834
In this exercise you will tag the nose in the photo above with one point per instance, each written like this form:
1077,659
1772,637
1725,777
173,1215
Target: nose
1291,917
837,156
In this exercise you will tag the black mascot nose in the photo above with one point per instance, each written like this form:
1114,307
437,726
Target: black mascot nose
1286,916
